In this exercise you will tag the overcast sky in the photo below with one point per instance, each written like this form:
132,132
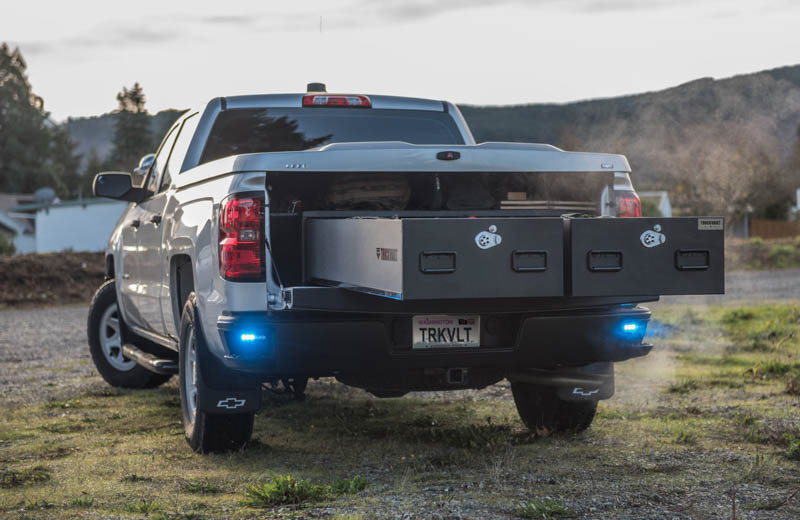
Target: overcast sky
80,53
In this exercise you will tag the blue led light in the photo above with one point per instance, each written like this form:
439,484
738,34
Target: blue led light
248,337
630,327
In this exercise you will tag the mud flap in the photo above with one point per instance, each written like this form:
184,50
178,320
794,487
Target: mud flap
603,388
221,390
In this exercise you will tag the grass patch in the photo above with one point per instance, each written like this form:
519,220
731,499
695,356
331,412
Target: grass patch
542,510
84,501
792,446
349,486
683,387
133,477
284,490
287,490
201,487
683,435
12,478
65,426
61,405
142,507
11,436
768,369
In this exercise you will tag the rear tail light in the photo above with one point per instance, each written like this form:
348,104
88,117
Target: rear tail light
326,100
241,251
628,204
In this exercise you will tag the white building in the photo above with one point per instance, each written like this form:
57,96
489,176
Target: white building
18,231
661,200
76,225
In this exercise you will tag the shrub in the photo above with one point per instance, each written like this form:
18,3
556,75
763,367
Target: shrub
792,446
781,255
6,246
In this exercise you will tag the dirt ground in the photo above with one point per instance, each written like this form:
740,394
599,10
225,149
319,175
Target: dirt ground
49,279
707,424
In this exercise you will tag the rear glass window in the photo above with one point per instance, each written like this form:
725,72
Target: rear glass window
241,131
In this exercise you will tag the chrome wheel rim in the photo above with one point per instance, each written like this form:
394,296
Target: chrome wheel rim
111,340
190,375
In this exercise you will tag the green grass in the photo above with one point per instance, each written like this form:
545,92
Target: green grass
142,506
349,486
544,509
283,490
201,487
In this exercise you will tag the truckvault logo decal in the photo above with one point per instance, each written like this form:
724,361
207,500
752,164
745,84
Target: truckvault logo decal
231,403
487,239
387,254
709,224
653,238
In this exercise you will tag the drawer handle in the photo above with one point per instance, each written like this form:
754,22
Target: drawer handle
692,259
604,261
529,261
437,262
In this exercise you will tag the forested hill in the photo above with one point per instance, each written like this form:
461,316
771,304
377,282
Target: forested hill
719,146
96,132
722,130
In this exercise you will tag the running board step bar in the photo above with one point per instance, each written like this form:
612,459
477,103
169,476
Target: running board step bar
149,361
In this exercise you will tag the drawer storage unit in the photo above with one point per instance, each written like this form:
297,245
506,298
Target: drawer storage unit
438,258
646,256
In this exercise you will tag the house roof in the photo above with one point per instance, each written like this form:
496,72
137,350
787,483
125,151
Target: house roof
9,201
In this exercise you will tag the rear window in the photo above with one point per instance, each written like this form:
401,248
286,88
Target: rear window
259,130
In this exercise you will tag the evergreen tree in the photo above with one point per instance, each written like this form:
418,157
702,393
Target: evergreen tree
94,165
132,134
33,151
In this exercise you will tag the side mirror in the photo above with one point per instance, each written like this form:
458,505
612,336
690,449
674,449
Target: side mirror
118,185
140,172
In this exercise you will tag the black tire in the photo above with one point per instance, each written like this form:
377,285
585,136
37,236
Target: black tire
542,411
205,432
132,376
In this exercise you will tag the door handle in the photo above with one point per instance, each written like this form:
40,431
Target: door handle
136,223
156,219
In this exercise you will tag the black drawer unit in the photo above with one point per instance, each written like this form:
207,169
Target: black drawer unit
646,256
438,258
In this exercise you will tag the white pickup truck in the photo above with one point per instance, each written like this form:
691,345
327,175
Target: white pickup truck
276,238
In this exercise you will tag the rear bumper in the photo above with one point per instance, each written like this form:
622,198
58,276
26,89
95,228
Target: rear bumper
318,344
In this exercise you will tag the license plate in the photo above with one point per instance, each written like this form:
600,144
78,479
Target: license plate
446,331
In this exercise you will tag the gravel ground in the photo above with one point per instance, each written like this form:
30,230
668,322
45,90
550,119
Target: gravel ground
749,286
43,354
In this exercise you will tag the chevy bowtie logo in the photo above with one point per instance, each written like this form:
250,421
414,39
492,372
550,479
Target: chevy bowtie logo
231,403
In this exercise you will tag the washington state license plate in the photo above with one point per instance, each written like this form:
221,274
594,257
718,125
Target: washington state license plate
446,331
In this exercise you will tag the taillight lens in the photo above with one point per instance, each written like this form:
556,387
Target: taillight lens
325,100
628,205
241,252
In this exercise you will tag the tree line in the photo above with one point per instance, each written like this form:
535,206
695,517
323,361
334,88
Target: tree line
36,152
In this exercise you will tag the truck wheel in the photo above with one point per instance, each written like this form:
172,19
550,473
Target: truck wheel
542,410
205,432
107,333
